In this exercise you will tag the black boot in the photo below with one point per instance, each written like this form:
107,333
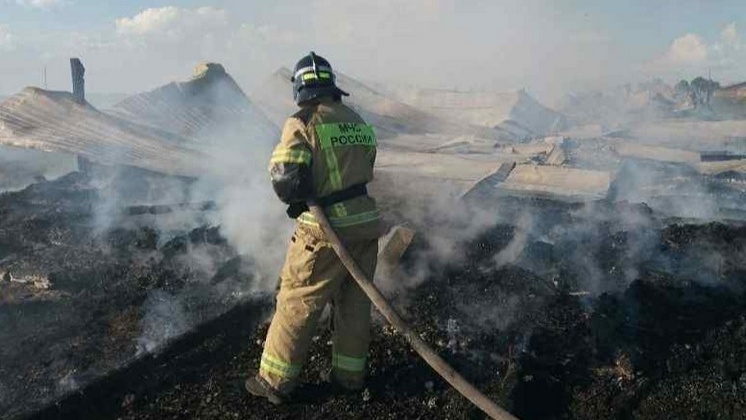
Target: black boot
337,386
259,387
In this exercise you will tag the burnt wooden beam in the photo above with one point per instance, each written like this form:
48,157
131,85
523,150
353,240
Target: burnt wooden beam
166,208
719,156
486,185
392,248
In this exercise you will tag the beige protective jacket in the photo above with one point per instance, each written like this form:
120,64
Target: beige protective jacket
332,143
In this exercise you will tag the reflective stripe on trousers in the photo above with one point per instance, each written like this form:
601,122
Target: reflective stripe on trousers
276,366
350,364
313,276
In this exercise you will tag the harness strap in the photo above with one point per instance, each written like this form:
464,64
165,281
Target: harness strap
357,190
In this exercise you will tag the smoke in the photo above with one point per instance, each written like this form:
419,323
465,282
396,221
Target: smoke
592,245
255,223
202,262
492,316
516,247
238,148
164,318
249,216
594,248
68,383
443,225
22,167
575,247
673,189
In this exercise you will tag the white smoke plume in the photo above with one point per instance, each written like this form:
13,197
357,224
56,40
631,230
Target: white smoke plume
21,167
68,383
164,318
249,216
515,248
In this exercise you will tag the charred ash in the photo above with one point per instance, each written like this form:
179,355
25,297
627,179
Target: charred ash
603,310
81,295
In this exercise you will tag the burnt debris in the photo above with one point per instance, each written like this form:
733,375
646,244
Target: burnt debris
130,328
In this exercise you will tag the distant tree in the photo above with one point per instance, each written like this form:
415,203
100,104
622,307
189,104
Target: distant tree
701,91
682,88
697,91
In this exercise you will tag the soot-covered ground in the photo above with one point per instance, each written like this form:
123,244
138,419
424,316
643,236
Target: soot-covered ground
650,324
85,291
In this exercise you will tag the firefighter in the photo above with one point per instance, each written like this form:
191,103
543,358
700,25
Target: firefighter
326,156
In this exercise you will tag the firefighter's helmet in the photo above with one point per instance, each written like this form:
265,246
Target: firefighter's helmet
313,78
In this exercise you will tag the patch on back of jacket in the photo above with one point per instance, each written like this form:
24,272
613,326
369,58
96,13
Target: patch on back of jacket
345,134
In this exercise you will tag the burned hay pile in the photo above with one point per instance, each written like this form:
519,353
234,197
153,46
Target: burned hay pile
599,311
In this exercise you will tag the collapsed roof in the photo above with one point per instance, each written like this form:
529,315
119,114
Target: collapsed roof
170,129
390,116
54,122
514,112
208,103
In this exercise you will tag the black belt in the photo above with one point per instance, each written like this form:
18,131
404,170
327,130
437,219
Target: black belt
295,209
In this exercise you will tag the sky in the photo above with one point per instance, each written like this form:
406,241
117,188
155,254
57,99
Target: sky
549,47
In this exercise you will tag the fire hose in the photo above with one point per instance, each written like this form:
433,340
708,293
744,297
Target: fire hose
425,351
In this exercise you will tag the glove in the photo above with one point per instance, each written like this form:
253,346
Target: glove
295,209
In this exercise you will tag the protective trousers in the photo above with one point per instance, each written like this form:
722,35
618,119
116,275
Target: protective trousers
313,276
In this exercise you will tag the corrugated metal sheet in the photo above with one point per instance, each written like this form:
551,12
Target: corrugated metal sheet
54,122
172,129
211,102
